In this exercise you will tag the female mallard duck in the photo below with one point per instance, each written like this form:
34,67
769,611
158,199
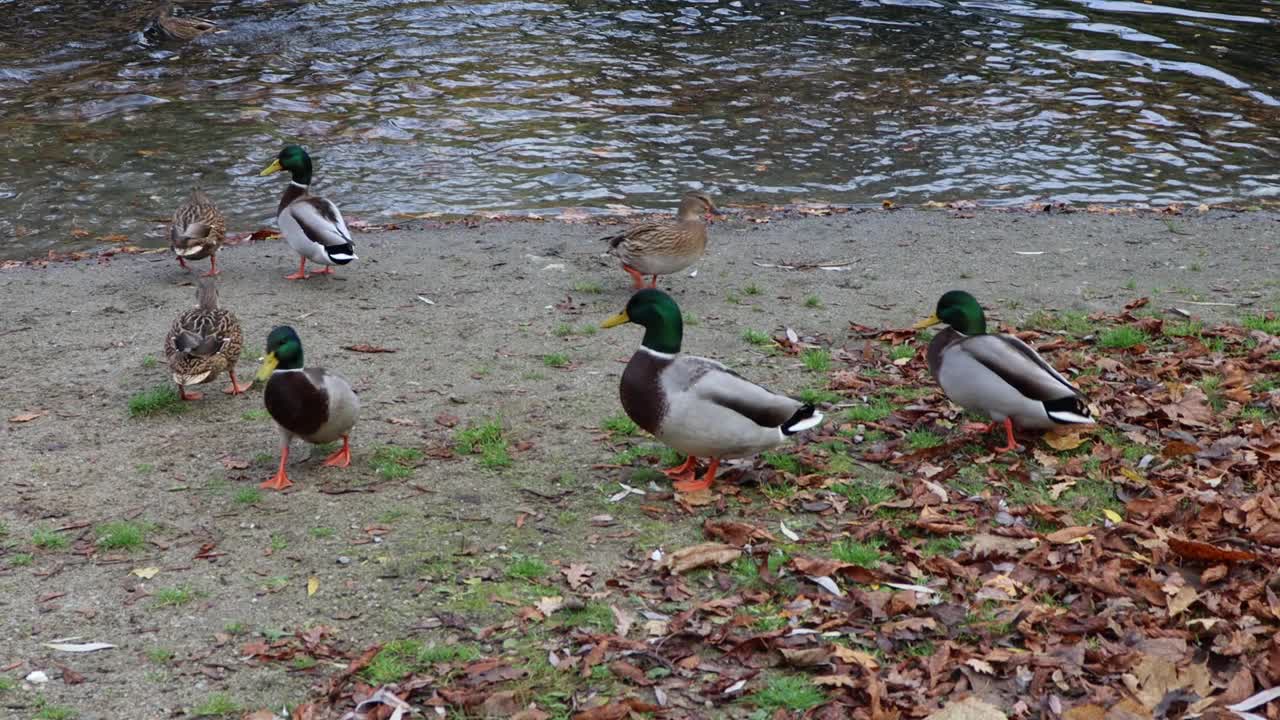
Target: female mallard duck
664,248
203,342
197,231
998,375
182,28
696,405
310,403
312,225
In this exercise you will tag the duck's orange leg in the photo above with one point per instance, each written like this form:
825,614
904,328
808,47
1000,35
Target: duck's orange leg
342,458
280,480
302,271
328,270
687,486
213,266
683,472
184,395
236,388
653,282
183,264
1008,431
637,280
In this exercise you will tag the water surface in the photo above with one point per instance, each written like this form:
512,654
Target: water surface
412,106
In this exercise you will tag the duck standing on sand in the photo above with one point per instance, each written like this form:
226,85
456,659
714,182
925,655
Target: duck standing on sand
664,248
203,342
310,403
998,375
697,405
197,230
312,225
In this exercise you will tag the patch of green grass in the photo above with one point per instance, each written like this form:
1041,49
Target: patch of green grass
619,425
1089,497
321,533
304,662
7,684
865,493
235,628
528,568
752,290
1269,323
567,330
874,411
160,656
149,362
904,392
813,301
398,658
21,560
690,319
247,496
863,554
159,399
1122,337
783,462
55,712
216,705
145,468
122,535
818,396
922,649
556,360
47,539
942,546
172,597
921,439
787,692
255,415
901,352
1075,323
1254,414
588,288
263,459
755,337
1182,329
594,614
279,543
816,359
486,440
394,462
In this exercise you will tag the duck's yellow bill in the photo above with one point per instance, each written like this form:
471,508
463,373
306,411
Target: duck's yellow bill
619,319
927,322
269,364
273,168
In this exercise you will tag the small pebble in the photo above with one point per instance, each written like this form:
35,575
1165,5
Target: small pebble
344,560
37,677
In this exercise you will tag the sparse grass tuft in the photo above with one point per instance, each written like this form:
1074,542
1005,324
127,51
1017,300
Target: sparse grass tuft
816,359
157,400
216,705
865,493
247,496
752,290
486,440
55,712
149,362
874,411
528,568
619,425
1269,323
1182,329
818,396
813,302
123,535
588,288
783,461
47,539
172,597
863,554
1075,323
901,352
787,692
1122,337
755,337
394,462
556,360
255,415
921,439
398,658
21,560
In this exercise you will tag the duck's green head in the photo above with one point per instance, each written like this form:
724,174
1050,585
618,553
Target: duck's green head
294,159
660,316
284,351
961,311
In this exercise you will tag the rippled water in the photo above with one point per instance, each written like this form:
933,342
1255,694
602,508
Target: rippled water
412,106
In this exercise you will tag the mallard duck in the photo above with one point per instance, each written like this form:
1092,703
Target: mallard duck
203,342
182,28
197,231
664,248
313,226
696,405
310,403
998,375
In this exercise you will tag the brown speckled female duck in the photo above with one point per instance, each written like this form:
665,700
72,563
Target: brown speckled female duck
197,230
203,342
664,248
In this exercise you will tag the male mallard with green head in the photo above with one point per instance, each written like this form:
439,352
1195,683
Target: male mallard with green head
312,225
696,405
203,342
664,248
309,403
197,231
998,375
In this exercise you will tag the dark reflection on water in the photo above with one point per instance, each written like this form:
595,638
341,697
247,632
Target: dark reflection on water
419,106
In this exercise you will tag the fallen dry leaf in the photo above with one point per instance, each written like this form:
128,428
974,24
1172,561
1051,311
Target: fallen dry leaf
366,348
1193,550
700,556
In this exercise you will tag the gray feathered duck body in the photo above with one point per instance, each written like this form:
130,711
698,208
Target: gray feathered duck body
696,405
312,225
663,248
998,375
313,404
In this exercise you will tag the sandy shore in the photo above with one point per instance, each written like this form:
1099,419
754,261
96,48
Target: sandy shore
473,314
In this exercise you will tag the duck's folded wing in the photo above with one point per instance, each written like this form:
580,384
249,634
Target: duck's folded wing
636,234
1019,366
321,221
717,384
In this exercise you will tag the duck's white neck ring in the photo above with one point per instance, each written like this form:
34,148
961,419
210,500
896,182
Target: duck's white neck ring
657,354
298,184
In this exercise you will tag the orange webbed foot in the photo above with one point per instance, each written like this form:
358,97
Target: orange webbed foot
326,271
1012,443
184,395
297,276
688,486
236,388
342,458
279,481
684,472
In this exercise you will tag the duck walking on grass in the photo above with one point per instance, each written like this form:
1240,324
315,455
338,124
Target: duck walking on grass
197,231
312,225
697,405
664,248
309,403
998,375
203,342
